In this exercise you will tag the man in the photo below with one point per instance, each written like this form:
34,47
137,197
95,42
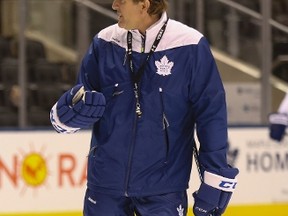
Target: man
278,121
156,79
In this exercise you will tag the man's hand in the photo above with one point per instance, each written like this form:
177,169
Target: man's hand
77,108
215,193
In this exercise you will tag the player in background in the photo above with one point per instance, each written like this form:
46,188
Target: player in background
144,85
279,120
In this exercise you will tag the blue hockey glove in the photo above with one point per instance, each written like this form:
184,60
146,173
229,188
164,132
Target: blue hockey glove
215,192
77,109
277,126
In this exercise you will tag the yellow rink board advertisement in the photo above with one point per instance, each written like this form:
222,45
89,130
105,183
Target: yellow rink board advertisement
43,173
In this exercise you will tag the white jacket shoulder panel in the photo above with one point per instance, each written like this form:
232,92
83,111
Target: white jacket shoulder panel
114,34
176,35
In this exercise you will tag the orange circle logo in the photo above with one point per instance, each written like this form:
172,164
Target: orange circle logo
34,170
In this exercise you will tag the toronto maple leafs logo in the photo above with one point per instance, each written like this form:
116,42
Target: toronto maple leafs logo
180,210
164,66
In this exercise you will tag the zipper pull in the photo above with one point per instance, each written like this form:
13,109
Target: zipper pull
138,108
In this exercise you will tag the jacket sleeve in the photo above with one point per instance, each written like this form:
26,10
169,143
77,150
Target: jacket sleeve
283,108
88,74
209,107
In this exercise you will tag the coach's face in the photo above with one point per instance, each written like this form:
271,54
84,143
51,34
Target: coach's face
130,13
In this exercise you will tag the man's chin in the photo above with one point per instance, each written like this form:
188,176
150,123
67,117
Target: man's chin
123,26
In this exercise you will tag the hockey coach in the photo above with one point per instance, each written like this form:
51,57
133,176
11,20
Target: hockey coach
145,85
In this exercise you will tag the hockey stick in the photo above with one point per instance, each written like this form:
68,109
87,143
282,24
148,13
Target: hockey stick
196,158
78,96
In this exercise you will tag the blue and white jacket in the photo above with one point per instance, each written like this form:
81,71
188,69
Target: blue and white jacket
180,88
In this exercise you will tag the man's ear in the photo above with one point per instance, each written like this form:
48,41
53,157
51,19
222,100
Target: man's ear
145,5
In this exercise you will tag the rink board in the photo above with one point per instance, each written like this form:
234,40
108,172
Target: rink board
263,210
57,184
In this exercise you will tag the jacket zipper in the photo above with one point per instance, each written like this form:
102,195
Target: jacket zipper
137,115
165,124
131,150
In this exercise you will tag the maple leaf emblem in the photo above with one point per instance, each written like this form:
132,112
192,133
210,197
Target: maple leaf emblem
164,66
180,210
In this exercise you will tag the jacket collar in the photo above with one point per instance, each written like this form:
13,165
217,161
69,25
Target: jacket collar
150,35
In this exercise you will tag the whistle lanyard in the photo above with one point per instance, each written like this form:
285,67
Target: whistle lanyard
136,76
